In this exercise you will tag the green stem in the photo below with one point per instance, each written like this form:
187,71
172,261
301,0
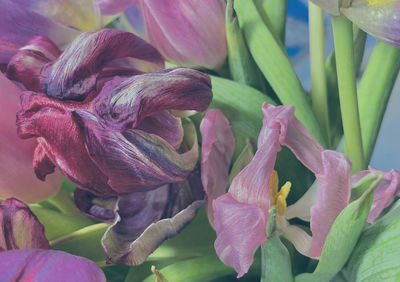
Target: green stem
343,38
276,13
317,65
80,232
374,92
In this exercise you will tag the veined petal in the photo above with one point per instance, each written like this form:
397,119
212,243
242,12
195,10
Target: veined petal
49,120
146,219
26,65
47,266
217,149
240,230
299,238
110,7
73,76
189,32
333,196
294,135
19,227
19,24
134,160
378,18
97,207
385,193
124,103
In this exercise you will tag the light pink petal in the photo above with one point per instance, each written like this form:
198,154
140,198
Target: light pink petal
299,238
19,227
110,7
294,135
217,149
188,32
47,266
17,178
301,209
385,193
240,230
333,196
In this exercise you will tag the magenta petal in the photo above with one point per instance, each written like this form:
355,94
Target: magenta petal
187,32
124,103
333,196
385,193
294,135
134,160
74,75
47,266
217,149
19,227
110,7
240,230
97,207
26,65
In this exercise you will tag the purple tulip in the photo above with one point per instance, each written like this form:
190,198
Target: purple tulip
109,132
255,190
16,175
187,32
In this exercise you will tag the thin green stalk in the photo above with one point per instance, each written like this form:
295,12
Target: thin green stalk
276,13
343,38
317,65
80,232
374,91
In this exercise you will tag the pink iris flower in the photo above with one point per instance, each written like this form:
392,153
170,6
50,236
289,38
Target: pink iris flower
241,215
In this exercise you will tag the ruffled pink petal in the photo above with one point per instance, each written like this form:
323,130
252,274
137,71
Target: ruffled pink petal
190,32
110,7
294,135
26,65
19,227
218,145
385,193
74,75
123,103
333,196
240,230
47,266
17,178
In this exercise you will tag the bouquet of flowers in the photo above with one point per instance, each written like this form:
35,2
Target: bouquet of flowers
146,140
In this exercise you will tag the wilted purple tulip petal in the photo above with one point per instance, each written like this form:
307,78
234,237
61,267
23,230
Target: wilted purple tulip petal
333,196
240,230
74,75
19,227
47,266
188,32
146,219
99,208
17,178
117,155
217,149
7,50
124,103
26,65
110,7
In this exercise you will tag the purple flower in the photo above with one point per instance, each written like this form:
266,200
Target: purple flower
255,190
60,20
186,32
25,254
378,18
109,132
16,175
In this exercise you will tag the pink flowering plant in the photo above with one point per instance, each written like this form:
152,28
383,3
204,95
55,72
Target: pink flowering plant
146,140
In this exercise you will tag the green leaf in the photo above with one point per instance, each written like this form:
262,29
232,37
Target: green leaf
343,235
270,56
376,256
243,160
276,262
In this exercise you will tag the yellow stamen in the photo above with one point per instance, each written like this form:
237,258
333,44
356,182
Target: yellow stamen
377,2
285,189
273,187
280,205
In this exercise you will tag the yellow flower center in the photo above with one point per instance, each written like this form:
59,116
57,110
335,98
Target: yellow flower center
278,199
378,2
